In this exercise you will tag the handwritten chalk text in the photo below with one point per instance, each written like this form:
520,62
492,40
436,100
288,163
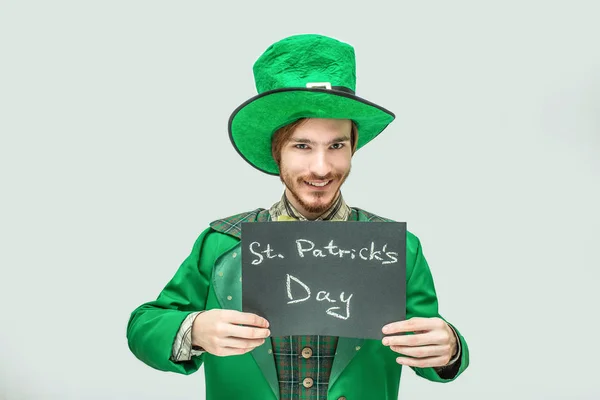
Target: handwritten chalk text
307,248
321,296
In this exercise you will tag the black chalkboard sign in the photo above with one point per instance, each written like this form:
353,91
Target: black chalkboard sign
325,278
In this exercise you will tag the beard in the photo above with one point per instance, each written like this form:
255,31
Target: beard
316,207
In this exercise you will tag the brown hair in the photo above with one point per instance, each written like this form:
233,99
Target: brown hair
283,134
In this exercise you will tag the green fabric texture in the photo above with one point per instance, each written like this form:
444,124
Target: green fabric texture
210,278
296,60
281,76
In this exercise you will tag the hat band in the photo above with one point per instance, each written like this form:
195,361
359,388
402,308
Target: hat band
327,86
342,89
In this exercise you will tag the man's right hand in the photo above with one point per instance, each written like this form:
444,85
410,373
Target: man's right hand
219,332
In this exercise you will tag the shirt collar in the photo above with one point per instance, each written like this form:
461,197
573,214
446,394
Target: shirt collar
339,211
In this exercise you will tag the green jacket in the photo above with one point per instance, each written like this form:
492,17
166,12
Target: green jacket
210,278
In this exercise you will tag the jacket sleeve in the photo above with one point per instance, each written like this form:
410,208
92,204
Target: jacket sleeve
153,326
421,301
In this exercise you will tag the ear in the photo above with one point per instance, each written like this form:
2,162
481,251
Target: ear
354,137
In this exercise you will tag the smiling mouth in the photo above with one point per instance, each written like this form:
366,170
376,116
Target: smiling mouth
318,185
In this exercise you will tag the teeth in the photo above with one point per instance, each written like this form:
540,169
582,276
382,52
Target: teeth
318,184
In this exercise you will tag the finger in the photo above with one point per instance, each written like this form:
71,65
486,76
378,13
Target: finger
422,362
422,351
249,319
247,332
236,343
417,339
415,324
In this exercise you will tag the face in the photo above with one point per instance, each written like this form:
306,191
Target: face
315,162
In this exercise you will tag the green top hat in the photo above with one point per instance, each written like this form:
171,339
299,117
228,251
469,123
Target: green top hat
303,76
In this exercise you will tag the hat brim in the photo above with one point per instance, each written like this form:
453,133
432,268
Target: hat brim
251,125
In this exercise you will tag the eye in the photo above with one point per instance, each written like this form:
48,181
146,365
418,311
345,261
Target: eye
337,146
301,146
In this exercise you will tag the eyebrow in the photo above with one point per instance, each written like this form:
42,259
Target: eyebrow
308,141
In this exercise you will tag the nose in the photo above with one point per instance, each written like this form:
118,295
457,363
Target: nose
320,165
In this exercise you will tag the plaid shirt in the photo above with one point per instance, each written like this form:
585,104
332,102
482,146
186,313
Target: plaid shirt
304,362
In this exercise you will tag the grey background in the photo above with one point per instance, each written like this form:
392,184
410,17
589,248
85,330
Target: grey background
114,156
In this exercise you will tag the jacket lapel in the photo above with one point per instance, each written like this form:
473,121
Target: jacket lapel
263,355
345,352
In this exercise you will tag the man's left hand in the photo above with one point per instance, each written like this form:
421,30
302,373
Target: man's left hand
432,344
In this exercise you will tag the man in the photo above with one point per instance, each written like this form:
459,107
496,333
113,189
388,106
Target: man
304,125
